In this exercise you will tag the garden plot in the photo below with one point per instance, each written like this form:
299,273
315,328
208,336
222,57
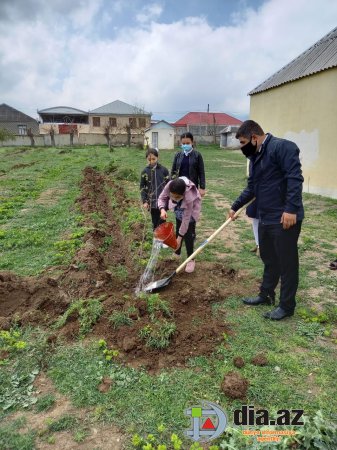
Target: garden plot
117,360
94,297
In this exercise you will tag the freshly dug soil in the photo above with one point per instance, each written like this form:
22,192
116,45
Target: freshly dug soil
235,386
91,274
238,362
259,360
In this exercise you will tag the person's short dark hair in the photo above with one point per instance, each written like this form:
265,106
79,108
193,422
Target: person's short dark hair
248,128
151,151
178,186
187,135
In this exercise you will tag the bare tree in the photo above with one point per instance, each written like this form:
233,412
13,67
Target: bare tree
128,132
52,135
214,129
71,135
31,137
107,129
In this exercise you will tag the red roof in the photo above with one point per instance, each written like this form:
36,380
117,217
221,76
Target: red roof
197,118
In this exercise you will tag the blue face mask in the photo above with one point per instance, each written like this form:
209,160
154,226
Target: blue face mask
186,148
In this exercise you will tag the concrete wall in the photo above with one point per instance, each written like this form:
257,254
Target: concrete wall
305,111
203,138
64,140
23,141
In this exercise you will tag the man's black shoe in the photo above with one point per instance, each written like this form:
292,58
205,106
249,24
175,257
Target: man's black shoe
277,314
253,301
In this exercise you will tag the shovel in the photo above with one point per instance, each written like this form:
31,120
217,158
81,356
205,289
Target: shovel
156,285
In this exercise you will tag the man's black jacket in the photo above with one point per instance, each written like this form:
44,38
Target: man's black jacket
276,181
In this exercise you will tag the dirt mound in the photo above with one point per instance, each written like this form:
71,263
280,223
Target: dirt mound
259,360
238,362
31,299
235,386
93,274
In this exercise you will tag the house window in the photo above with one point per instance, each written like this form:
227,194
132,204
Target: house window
113,122
142,122
96,121
22,129
132,122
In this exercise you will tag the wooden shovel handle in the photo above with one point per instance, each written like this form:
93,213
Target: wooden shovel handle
210,239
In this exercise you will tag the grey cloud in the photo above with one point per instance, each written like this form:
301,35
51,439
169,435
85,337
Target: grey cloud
31,10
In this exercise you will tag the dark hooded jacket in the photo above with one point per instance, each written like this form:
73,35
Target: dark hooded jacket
275,180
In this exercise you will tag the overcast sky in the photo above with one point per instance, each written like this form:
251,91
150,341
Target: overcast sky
168,56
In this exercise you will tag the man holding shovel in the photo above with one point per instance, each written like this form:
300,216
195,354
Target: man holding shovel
276,182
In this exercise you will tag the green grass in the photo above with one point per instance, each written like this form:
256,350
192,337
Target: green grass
12,439
45,403
301,351
17,375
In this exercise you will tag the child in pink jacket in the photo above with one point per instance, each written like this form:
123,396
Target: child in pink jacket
182,196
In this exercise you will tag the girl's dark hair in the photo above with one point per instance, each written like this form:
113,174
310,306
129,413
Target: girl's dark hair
178,186
151,151
187,135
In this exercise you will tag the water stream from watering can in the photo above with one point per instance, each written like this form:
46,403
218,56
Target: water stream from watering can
148,275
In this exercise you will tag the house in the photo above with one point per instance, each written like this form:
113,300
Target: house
205,126
299,103
115,123
227,137
160,135
62,119
17,122
119,117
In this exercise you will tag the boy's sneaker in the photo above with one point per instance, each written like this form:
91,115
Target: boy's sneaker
190,266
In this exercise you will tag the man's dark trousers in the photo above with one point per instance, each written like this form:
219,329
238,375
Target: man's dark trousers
279,253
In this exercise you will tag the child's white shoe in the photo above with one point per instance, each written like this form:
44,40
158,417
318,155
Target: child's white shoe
190,266
164,245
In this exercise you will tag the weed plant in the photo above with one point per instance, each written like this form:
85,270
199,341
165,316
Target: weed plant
89,311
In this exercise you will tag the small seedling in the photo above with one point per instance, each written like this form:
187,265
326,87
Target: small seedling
109,354
89,311
158,335
155,304
119,319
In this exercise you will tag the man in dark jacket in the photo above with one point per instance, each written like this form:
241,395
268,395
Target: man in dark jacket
276,183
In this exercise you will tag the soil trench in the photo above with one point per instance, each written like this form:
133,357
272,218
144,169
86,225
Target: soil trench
91,274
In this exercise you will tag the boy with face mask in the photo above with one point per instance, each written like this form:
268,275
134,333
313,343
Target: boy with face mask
276,182
182,196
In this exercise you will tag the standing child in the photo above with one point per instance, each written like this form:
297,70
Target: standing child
189,163
152,181
182,196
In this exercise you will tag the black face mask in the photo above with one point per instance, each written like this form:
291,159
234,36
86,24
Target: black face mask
249,149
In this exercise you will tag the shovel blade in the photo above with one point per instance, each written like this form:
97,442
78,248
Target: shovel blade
156,285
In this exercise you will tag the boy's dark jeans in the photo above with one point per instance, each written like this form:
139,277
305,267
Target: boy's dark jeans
189,237
279,253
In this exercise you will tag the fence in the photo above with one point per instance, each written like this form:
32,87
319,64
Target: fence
62,140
